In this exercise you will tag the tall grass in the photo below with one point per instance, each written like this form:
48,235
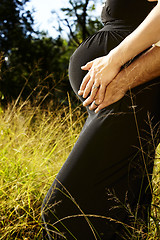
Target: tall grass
34,143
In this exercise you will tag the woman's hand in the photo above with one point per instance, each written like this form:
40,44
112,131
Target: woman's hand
114,91
101,72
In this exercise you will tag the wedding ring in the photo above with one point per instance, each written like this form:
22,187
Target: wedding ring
95,87
95,103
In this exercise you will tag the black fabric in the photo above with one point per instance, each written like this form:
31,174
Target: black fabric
105,179
131,11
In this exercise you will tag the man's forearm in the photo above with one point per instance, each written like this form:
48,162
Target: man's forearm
143,69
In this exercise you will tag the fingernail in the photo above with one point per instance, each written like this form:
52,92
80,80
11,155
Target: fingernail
80,92
84,104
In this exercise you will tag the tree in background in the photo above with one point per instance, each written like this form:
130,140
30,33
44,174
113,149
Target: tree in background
15,37
34,59
81,20
15,25
31,58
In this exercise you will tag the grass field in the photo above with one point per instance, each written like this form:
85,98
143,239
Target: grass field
34,143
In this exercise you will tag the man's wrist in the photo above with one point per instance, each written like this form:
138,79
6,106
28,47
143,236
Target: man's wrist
141,70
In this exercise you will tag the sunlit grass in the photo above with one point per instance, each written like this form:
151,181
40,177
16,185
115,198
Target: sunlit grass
34,143
155,211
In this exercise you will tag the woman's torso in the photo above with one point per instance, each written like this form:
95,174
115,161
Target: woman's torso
120,17
130,11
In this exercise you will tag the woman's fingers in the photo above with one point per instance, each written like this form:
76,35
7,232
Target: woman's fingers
91,86
99,97
87,66
99,69
91,98
88,88
86,78
84,83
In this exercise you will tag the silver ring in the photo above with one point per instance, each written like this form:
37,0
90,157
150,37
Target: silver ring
95,103
95,87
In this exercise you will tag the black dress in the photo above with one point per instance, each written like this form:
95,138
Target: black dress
105,180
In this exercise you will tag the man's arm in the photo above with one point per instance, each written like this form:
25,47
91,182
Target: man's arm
142,70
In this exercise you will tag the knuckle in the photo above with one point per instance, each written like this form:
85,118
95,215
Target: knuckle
86,78
90,83
103,105
84,82
93,74
87,91
87,85
91,99
101,95
93,93
97,83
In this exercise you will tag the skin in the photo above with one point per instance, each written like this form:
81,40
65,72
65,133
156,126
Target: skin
103,70
142,70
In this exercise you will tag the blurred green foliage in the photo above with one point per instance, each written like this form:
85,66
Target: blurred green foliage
32,58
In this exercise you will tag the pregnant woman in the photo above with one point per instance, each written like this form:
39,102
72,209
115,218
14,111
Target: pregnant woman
103,190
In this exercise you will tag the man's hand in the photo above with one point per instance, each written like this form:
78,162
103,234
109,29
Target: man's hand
114,92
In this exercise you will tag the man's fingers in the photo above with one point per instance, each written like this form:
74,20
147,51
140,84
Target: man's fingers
88,101
101,94
93,105
101,106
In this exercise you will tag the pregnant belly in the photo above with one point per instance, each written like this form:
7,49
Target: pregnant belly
95,46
